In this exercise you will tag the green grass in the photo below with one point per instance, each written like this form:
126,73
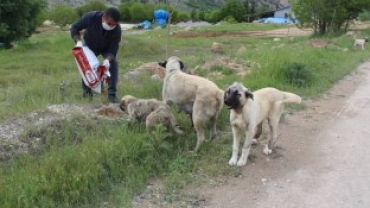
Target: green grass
82,162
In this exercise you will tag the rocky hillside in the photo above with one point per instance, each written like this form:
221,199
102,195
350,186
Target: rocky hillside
179,4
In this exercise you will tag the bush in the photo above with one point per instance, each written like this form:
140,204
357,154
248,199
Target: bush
18,19
181,16
230,19
62,15
43,15
91,6
124,9
296,74
138,13
213,16
233,8
364,16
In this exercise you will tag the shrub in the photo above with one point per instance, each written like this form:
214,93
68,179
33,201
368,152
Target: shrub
296,74
194,15
18,19
181,16
213,16
233,8
42,16
230,19
124,9
91,6
62,15
138,13
364,16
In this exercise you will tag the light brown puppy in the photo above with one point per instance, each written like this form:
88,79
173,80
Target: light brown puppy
151,111
205,98
247,112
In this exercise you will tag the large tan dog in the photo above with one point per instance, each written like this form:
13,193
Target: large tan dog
151,111
248,110
202,94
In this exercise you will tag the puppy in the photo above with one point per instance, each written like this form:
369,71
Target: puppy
202,94
360,43
151,111
248,110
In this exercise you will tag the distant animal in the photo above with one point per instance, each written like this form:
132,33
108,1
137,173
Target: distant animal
360,43
247,112
150,111
189,90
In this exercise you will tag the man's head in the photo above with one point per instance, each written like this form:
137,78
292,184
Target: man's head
110,18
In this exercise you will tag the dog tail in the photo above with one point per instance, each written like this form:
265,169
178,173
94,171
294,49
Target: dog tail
291,98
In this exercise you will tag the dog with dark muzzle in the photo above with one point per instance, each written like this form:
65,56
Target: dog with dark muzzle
247,112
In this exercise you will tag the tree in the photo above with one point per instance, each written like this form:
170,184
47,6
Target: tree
95,5
62,15
233,8
194,15
328,15
139,12
18,19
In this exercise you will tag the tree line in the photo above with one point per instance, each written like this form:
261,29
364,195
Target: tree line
20,20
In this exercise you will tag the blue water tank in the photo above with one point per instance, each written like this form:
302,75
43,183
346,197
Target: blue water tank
160,17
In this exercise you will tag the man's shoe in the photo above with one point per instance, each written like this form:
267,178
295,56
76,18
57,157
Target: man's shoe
113,99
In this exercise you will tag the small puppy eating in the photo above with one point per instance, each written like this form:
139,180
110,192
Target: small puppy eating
150,111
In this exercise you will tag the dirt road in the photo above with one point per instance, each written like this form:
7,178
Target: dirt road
321,158
286,32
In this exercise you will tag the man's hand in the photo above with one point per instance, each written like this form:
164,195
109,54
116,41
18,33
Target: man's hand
106,63
79,44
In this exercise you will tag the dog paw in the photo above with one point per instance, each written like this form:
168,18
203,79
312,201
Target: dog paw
241,163
232,161
266,150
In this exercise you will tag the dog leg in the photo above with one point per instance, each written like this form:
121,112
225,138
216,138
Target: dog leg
191,119
258,133
273,124
213,132
199,128
246,146
237,134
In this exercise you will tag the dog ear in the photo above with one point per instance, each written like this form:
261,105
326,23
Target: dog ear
249,95
123,105
182,66
162,64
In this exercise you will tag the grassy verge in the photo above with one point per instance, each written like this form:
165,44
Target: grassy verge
85,161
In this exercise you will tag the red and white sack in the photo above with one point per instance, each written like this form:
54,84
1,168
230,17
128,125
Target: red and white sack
93,74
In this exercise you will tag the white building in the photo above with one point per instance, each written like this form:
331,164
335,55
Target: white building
283,12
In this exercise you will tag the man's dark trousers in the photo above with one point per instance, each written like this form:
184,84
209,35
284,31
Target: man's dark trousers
112,85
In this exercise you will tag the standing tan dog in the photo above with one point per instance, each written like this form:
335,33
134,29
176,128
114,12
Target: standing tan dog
360,43
202,94
248,110
152,111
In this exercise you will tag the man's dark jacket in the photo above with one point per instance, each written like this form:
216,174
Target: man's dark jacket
100,41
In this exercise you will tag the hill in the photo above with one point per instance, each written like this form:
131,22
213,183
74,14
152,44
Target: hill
178,4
